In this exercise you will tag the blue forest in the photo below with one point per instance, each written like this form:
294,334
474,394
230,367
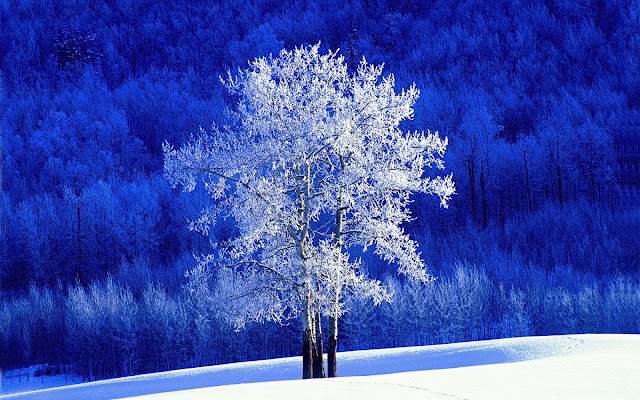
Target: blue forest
539,100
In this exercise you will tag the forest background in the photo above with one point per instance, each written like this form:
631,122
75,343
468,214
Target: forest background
539,99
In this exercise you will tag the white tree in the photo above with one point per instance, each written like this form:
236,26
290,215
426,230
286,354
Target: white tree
313,163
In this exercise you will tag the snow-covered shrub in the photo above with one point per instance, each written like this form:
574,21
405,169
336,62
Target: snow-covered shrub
462,301
162,331
515,319
590,310
622,306
559,312
102,324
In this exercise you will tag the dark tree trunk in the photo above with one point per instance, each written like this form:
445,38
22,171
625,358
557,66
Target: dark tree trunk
318,361
79,251
527,182
483,198
307,354
472,189
593,185
333,347
559,181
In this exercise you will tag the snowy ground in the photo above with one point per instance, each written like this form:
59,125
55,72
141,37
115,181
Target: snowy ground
554,367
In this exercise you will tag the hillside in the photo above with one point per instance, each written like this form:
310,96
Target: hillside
552,367
539,101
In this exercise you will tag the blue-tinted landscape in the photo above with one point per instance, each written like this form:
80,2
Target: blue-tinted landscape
539,100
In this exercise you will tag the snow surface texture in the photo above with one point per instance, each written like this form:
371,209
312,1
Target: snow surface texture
553,367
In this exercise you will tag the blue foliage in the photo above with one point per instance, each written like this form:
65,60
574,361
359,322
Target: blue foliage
539,101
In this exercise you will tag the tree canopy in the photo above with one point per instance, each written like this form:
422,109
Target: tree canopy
312,161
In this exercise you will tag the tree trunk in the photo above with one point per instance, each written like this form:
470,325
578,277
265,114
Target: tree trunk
308,327
559,181
333,347
471,171
593,185
526,179
308,339
79,251
333,318
307,354
318,361
483,197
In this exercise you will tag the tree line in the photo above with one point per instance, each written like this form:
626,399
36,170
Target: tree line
108,329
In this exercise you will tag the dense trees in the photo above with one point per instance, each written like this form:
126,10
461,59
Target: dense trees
536,94
539,102
106,329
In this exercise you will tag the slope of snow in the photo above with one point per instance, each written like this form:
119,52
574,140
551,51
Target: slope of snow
554,367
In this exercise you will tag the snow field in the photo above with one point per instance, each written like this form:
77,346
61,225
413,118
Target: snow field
553,367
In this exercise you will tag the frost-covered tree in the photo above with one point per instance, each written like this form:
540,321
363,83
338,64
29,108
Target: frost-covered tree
312,163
